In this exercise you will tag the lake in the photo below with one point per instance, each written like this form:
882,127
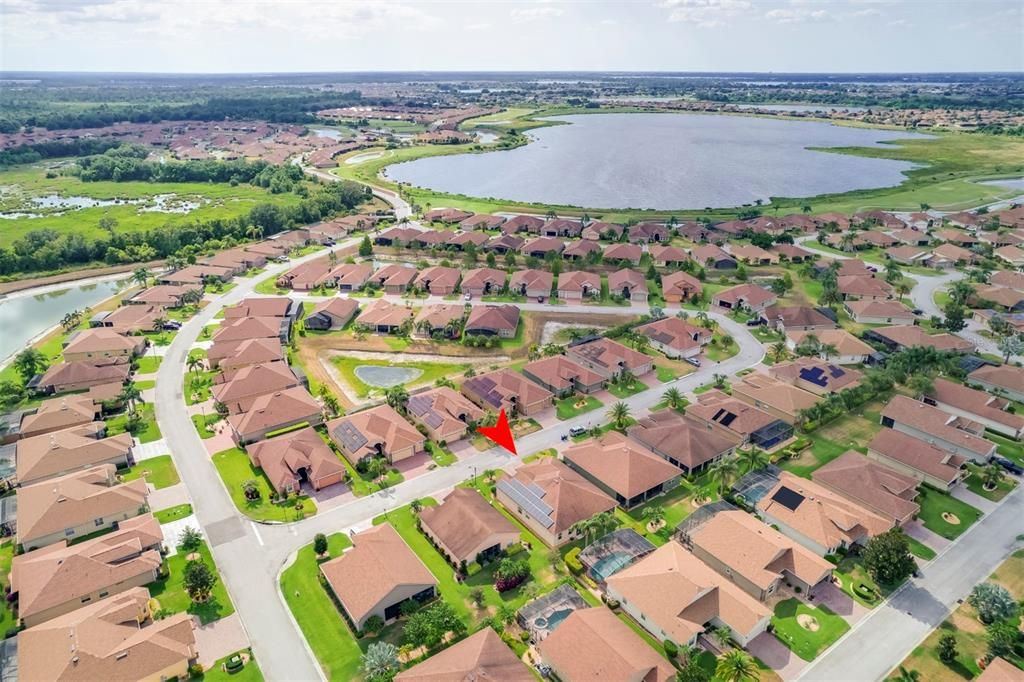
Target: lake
665,161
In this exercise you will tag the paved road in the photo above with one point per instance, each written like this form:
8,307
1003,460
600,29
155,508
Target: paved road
879,642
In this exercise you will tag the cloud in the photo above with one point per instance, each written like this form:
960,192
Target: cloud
869,12
609,22
523,14
704,13
796,15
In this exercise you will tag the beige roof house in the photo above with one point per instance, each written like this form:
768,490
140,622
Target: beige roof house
277,306
113,639
498,319
480,657
508,390
438,280
273,411
960,435
681,441
798,318
980,406
749,296
289,459
610,358
850,349
578,284
680,286
881,489
384,316
378,431
100,343
465,525
879,312
675,337
622,468
563,376
733,416
131,319
483,281
777,397
334,313
377,574
593,644
908,336
61,452
915,457
242,328
57,414
237,388
820,377
673,594
444,412
234,354
1006,378
531,283
74,376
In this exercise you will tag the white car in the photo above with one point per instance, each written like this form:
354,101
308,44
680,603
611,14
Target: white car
468,296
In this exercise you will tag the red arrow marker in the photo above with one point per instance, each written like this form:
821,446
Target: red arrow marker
500,433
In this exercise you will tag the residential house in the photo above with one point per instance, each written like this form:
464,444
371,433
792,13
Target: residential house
540,247
883,490
668,256
739,421
748,297
753,255
466,528
522,223
623,468
580,250
817,376
1010,254
57,414
549,498
498,319
911,237
578,285
234,354
395,278
984,408
332,314
712,256
560,227
445,413
505,243
446,215
778,398
622,254
683,442
610,358
755,556
1007,380
77,504
351,276
800,318
383,317
278,306
377,575
863,287
439,319
58,453
531,283
563,376
131,319
595,231
908,455
295,458
306,276
908,255
679,287
194,275
377,432
439,280
65,377
953,254
482,656
849,350
675,596
792,253
272,412
1000,298
244,328
674,337
648,233
238,388
237,260
1007,278
958,435
101,343
629,284
901,337
163,295
483,281
818,518
396,236
879,312
504,389
999,670
481,221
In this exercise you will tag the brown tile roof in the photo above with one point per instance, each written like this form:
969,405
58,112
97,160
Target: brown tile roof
559,372
880,488
352,275
283,456
756,551
635,281
134,318
798,316
825,375
382,312
917,454
379,425
669,254
680,283
479,657
977,403
593,644
67,373
1004,376
370,571
278,306
495,387
161,294
237,388
674,333
395,275
630,252
934,421
582,248
60,452
862,285
622,464
845,342
825,517
680,593
1000,670
736,415
1008,278
463,238
776,394
113,639
544,245
911,335
247,352
522,222
531,279
244,328
343,308
443,409
477,278
493,317
508,242
610,354
275,409
59,413
101,340
887,309
752,253
578,281
571,497
749,294
438,276
670,434
953,252
439,315
1004,296
71,500
701,254
53,575
464,520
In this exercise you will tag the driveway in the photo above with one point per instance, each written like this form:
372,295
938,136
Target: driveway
961,493
827,594
220,638
173,529
165,498
144,451
916,530
776,655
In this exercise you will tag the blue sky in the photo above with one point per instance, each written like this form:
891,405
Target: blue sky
658,35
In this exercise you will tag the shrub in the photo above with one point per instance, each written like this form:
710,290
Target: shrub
472,568
374,624
864,591
510,574
195,670
833,559
612,603
671,650
572,560
994,602
513,549
809,426
798,589
234,663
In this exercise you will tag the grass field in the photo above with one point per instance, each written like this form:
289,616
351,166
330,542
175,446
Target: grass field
158,471
202,422
934,504
170,592
250,673
805,643
147,433
8,620
975,485
567,408
235,469
180,511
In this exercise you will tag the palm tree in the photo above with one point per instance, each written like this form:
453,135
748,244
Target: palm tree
991,476
254,232
131,395
737,665
397,397
596,526
754,459
194,363
619,414
827,350
902,289
655,515
908,675
846,241
158,323
673,398
28,363
723,473
141,276
718,379
779,351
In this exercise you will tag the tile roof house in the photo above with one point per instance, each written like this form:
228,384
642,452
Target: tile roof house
306,276
244,328
862,287
102,343
879,312
758,558
481,656
1007,278
900,337
446,215
580,250
278,306
482,221
395,278
351,276
850,349
681,441
629,284
1003,298
799,318
531,283
58,579
678,287
194,275
820,377
819,519
746,296
713,257
272,412
439,318
561,227
911,237
914,457
64,377
505,243
232,354
291,459
596,230
497,319
460,240
57,414
624,469
549,498
563,376
483,281
753,255
674,337
648,233
668,256
465,526
444,413
1011,254
982,407
610,358
77,504
163,295
114,639
332,314
1006,378
540,247
238,388
592,644
883,490
384,317
522,223
504,389
955,255
577,285
955,434
376,575
131,319
377,432
792,253
439,280
623,254
61,452
776,397
674,596
738,420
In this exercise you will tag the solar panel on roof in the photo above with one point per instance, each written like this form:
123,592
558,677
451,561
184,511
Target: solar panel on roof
527,501
788,498
351,438
836,372
727,419
814,375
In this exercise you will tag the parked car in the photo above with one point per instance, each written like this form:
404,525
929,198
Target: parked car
468,296
1009,465
757,322
171,326
577,431
917,311
693,361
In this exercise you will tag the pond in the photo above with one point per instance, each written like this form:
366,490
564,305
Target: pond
1007,183
665,161
58,204
380,376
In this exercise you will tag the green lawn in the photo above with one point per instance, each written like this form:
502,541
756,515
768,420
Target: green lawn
158,471
197,386
620,390
851,572
201,423
234,468
1009,449
148,364
250,673
268,287
664,374
431,372
147,433
442,456
717,352
975,485
677,506
567,408
934,504
920,550
170,591
821,452
803,642
180,511
145,384
8,620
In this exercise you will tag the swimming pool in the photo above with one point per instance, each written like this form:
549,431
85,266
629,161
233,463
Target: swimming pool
552,621
611,564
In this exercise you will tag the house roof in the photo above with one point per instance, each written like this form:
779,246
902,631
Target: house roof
395,274
889,309
495,387
627,278
680,283
909,335
77,498
819,514
67,373
702,253
238,387
129,318
278,306
1008,278
660,252
799,316
630,252
113,639
680,593
493,317
100,340
674,333
934,421
443,408
60,413
978,403
881,488
523,222
343,308
478,658
576,280
358,433
162,294
477,278
845,342
533,279
610,354
1003,296
750,294
379,562
53,575
438,276
543,244
999,670
825,375
275,409
731,413
751,252
57,452
244,328
755,550
581,247
559,371
1004,376
283,456
917,454
669,433
439,315
247,352
509,242
569,496
592,644
953,252
779,395
353,275
863,285
464,521
384,313
622,464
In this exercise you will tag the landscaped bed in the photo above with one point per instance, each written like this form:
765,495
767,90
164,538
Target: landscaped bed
975,484
235,470
171,594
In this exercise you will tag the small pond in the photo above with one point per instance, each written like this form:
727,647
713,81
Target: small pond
385,377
